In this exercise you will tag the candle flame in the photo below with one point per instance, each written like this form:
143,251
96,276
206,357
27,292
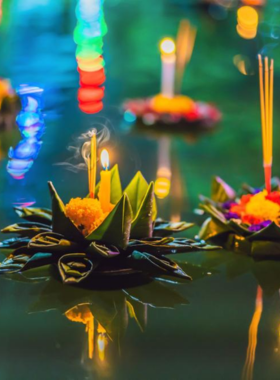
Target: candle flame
105,159
167,46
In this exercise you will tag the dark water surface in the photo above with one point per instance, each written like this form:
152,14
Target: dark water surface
159,330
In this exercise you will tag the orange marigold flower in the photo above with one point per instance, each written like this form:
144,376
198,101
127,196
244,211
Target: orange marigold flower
245,198
237,209
85,213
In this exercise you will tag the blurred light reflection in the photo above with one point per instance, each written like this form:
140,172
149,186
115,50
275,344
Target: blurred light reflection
88,35
248,368
163,181
247,22
31,125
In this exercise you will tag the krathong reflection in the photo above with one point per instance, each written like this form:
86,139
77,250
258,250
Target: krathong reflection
248,369
170,110
88,36
31,125
105,315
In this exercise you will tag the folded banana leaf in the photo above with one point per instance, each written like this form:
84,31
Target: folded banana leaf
33,214
156,265
129,240
262,244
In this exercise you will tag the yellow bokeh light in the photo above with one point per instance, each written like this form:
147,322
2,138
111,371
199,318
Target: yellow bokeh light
167,46
162,187
247,19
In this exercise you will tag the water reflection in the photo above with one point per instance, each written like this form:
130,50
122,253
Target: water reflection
31,125
106,315
248,369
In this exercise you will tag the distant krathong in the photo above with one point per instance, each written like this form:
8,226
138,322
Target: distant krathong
170,108
249,221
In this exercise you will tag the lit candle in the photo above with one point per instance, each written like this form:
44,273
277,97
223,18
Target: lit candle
105,183
168,60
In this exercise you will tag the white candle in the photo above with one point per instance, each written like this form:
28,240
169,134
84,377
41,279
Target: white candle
168,61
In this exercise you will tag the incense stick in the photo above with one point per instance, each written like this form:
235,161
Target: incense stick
92,164
266,102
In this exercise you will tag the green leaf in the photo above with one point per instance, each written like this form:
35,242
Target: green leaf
221,191
115,228
165,228
142,224
136,191
26,228
102,251
271,232
14,243
217,215
51,241
155,266
22,260
61,223
75,267
41,215
168,245
116,186
211,229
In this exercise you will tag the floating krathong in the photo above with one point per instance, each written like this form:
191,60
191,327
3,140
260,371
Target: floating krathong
109,232
249,221
171,109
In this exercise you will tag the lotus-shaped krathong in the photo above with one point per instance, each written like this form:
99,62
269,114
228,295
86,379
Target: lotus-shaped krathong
129,240
247,222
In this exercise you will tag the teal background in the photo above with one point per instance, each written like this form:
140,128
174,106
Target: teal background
207,337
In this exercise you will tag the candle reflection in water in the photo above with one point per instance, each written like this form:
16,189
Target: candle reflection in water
163,181
97,336
248,368
31,125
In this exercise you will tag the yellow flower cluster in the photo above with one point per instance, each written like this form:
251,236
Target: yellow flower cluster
177,105
85,213
259,206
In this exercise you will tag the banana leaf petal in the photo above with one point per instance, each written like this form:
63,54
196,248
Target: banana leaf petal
75,267
142,224
165,228
26,229
168,245
210,229
155,266
22,260
32,214
221,191
115,229
51,241
116,186
61,223
136,191
271,232
14,243
100,250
